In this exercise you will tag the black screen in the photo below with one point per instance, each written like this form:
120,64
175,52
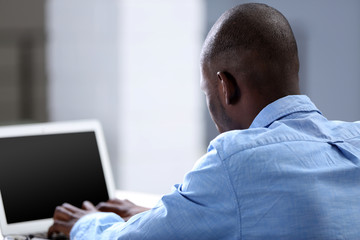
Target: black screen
38,173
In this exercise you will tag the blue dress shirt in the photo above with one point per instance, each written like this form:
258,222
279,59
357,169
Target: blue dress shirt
292,175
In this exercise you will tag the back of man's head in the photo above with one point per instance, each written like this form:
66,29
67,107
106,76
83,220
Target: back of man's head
257,41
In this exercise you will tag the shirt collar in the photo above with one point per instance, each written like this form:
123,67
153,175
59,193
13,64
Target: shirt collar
282,107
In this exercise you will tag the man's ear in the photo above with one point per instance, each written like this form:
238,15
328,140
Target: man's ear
230,88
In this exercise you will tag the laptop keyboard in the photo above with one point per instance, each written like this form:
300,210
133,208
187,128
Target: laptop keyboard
37,236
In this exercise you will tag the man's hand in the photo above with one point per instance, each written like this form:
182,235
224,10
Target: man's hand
123,208
66,215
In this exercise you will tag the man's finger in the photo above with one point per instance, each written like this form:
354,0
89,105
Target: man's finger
88,206
108,207
60,227
118,201
71,208
62,213
115,200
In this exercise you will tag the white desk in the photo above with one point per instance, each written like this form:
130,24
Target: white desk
141,199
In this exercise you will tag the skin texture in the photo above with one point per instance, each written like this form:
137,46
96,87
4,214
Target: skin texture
249,59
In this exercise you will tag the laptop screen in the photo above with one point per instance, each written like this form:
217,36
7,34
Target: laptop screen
38,173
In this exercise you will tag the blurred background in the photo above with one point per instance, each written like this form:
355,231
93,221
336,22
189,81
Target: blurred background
133,64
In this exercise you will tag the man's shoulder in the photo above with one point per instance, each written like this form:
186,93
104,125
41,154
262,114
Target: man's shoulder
275,137
236,141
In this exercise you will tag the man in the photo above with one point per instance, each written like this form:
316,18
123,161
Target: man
279,170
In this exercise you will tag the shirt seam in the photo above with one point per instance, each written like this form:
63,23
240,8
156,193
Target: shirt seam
234,195
350,138
291,111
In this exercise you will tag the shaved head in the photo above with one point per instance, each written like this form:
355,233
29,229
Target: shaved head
257,40
249,59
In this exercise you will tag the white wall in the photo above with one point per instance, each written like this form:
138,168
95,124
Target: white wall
161,131
82,64
133,64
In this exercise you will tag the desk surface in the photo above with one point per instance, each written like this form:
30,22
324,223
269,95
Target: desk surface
141,199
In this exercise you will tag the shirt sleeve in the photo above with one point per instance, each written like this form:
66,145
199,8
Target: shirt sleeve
203,207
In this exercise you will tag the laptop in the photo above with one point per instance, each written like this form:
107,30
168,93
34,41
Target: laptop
44,165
